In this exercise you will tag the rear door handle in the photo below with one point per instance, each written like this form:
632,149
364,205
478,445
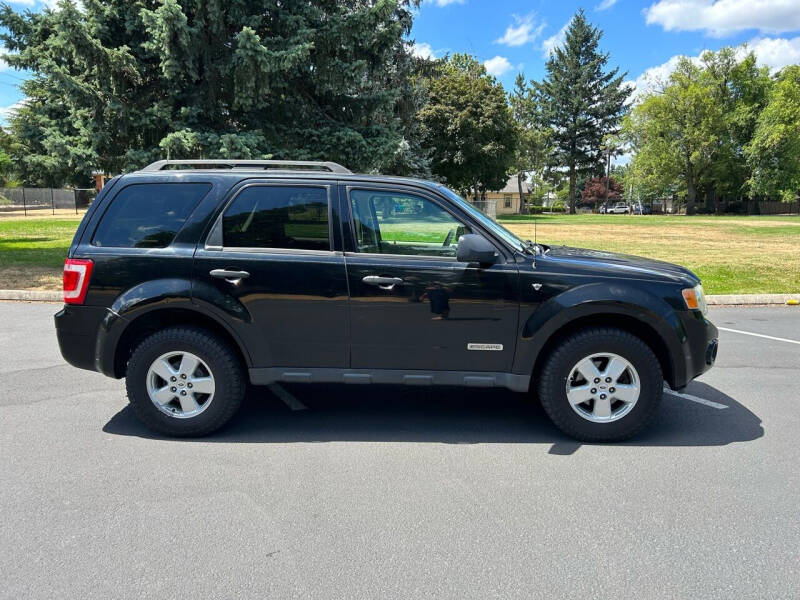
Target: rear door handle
232,276
385,283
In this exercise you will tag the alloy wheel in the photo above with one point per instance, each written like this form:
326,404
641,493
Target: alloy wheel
180,384
603,387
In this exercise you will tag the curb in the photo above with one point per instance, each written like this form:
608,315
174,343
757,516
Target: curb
737,299
38,296
713,300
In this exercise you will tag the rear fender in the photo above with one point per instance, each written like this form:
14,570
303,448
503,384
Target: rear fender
141,300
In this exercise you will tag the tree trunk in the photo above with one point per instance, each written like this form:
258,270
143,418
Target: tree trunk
571,198
474,191
522,210
691,191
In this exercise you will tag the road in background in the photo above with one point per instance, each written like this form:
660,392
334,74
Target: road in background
377,492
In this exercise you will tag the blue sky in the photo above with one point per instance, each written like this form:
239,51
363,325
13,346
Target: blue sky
644,38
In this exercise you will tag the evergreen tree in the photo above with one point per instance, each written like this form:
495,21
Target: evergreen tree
581,102
468,127
119,83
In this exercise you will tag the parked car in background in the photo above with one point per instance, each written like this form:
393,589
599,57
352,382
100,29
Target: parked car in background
637,208
620,208
192,279
647,210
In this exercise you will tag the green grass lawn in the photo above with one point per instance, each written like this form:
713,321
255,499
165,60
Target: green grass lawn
731,254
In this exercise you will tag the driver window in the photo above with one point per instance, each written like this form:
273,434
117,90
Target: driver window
397,223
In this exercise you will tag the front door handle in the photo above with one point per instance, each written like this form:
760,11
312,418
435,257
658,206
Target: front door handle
231,276
385,283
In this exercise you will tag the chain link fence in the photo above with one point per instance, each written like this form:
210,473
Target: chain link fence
37,201
487,207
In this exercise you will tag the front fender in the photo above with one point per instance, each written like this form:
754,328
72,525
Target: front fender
615,298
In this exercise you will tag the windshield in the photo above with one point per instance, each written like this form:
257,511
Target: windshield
497,229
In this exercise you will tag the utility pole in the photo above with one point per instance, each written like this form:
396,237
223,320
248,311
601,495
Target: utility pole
608,172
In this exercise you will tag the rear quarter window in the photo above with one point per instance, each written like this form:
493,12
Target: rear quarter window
148,215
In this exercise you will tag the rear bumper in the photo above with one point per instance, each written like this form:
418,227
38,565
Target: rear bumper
81,332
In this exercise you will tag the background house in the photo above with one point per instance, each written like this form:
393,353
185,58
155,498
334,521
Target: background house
506,201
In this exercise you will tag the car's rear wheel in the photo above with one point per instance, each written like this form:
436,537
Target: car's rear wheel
601,385
184,381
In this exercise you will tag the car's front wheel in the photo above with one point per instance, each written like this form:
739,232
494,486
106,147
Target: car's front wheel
184,381
601,385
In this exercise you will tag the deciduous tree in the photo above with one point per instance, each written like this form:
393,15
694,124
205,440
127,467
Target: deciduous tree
774,152
468,127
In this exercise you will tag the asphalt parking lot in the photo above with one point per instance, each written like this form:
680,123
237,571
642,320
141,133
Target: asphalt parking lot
357,492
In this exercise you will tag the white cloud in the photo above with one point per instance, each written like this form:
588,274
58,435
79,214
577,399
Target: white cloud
6,111
554,41
725,17
524,30
605,5
497,66
423,50
654,77
446,2
774,53
48,3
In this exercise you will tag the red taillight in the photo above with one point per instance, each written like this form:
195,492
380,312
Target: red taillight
77,273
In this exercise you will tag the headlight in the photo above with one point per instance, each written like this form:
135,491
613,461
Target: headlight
695,298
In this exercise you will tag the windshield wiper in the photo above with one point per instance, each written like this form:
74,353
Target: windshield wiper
535,248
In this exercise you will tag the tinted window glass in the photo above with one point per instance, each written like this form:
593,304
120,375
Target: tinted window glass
290,217
148,215
397,223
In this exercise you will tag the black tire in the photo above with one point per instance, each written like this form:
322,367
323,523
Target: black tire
222,361
553,381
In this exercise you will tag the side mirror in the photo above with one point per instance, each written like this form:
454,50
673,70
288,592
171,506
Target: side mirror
473,248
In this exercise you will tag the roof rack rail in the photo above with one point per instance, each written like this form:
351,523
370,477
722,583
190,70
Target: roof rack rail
246,164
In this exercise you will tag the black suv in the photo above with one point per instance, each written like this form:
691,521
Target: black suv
189,278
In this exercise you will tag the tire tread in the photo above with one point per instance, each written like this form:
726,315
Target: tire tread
549,381
231,365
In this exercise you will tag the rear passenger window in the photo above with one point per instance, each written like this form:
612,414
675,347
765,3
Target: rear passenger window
148,215
292,217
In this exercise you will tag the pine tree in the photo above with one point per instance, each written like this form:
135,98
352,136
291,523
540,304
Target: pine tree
119,83
581,102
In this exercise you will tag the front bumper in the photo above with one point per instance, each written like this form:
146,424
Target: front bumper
700,346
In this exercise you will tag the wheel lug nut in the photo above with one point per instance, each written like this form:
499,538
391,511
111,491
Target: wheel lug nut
172,378
602,396
597,380
612,390
184,376
608,379
183,392
173,389
190,385
594,390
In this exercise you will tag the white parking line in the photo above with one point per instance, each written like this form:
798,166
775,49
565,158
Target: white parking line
761,335
672,392
287,398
